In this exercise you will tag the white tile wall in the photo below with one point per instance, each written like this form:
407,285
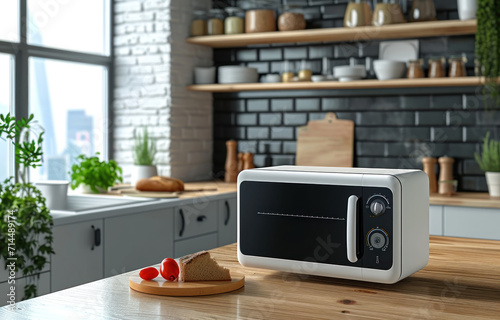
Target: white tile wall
153,65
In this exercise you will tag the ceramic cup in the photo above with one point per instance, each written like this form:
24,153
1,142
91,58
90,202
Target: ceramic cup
467,9
204,75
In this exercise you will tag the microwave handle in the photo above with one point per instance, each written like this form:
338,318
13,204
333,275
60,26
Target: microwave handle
351,229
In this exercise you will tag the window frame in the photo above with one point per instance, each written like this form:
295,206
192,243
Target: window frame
22,51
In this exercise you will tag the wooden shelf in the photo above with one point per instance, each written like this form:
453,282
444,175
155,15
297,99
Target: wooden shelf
361,84
395,31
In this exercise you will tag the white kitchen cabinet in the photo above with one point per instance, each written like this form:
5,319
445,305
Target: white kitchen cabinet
196,218
192,245
78,254
43,287
482,223
227,221
137,240
436,220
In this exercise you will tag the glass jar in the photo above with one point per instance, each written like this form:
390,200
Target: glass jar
387,12
199,24
457,66
261,20
358,13
423,10
436,67
415,69
215,23
234,22
287,72
305,72
291,19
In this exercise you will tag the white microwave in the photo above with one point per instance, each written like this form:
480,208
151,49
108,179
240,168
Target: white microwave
351,223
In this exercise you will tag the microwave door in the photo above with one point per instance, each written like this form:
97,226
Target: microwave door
301,222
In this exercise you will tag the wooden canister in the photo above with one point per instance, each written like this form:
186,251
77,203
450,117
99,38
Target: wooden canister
446,176
231,162
248,161
429,168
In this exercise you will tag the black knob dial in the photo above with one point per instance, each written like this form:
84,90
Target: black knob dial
377,207
378,239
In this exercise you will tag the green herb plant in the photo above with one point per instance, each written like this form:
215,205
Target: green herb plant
488,49
144,149
94,173
489,159
25,221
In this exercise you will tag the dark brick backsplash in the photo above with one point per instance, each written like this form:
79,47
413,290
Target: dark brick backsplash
394,128
270,54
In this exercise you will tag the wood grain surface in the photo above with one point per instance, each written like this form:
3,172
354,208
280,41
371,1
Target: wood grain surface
396,31
327,142
336,85
161,287
461,281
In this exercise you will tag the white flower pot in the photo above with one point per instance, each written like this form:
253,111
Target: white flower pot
142,172
467,9
85,189
55,193
493,181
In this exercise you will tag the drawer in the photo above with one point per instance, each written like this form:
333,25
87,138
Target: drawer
195,219
188,246
436,220
468,222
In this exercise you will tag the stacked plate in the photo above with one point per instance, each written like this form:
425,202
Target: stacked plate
238,74
349,73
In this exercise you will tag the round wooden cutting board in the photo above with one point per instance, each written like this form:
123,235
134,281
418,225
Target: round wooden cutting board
160,286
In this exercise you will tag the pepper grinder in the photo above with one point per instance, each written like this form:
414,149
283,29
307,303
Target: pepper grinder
429,168
231,162
240,162
248,161
446,175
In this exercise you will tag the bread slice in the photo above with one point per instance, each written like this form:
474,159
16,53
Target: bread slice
201,267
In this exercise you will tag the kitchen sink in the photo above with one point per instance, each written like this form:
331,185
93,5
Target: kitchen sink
78,203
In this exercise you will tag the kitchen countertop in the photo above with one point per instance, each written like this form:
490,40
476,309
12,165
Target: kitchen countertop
465,199
460,282
223,191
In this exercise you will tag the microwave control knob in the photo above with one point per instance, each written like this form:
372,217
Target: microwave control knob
377,239
377,207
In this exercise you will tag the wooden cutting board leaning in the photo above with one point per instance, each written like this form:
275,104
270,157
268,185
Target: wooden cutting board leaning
327,142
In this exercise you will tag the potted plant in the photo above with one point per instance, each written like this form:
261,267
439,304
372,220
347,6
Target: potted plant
144,155
489,161
488,49
25,221
92,175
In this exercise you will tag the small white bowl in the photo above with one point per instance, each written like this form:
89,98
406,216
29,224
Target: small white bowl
349,73
271,78
318,78
204,75
388,69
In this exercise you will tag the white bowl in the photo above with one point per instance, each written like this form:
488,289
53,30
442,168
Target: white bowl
237,74
318,78
204,75
271,78
349,73
388,69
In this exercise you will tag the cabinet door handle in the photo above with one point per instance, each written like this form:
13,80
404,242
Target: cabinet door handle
228,213
183,223
97,237
201,218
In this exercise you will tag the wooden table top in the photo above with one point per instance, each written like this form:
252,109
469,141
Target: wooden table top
461,281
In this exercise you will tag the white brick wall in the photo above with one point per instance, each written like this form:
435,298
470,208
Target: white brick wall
153,64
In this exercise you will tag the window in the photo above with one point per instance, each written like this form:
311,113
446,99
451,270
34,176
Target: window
62,65
78,25
5,107
68,100
9,21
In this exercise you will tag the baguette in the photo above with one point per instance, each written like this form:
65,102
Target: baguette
160,183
